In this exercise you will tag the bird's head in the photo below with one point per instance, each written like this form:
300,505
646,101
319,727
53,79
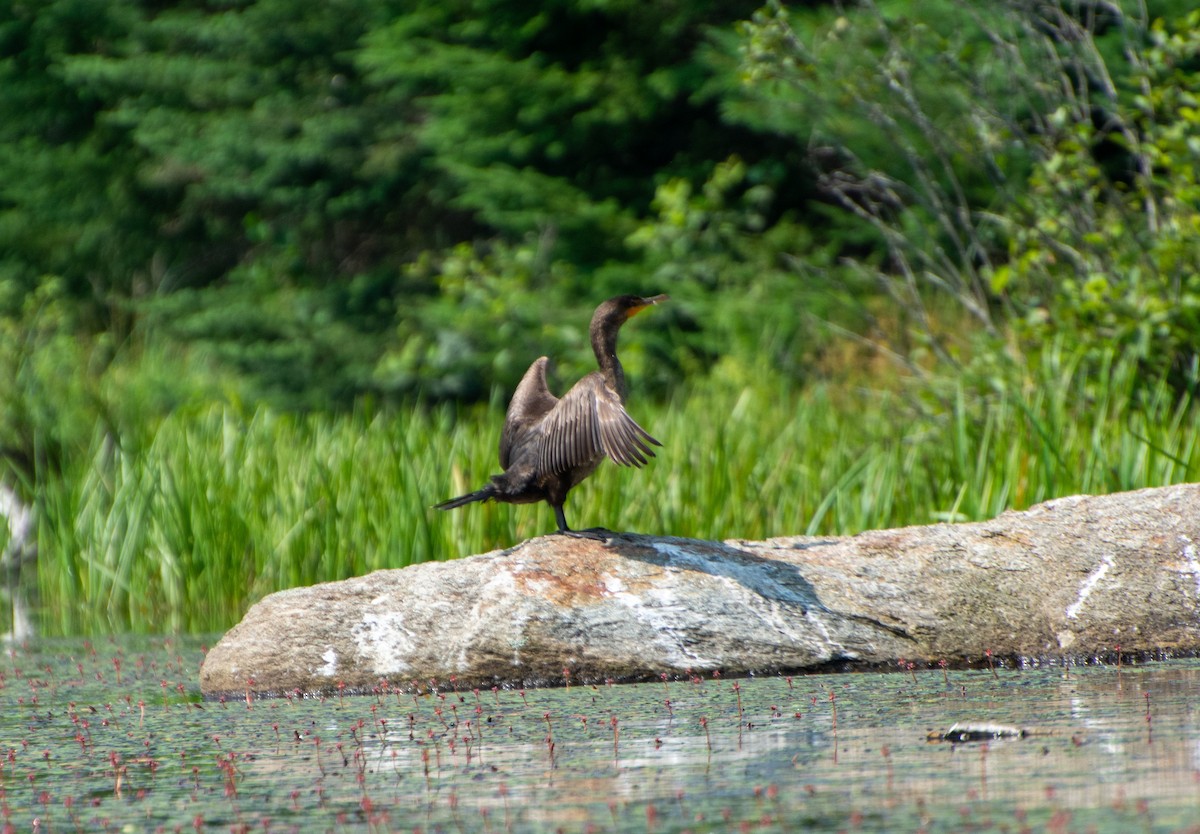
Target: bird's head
608,319
624,307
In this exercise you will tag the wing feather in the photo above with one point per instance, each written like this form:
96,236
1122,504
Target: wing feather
588,422
530,403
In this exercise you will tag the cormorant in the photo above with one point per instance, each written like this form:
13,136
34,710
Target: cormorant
550,445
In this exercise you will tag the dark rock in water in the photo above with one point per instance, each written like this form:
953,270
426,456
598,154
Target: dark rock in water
1071,577
960,733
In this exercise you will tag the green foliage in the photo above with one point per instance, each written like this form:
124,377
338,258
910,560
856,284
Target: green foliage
729,269
497,308
908,111
61,390
50,382
249,124
273,180
1031,160
298,344
1108,254
69,205
354,198
562,120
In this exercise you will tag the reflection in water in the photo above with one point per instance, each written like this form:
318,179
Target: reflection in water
112,736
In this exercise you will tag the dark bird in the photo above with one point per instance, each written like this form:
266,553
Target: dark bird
550,445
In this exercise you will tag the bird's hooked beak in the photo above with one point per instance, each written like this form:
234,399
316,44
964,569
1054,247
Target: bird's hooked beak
646,302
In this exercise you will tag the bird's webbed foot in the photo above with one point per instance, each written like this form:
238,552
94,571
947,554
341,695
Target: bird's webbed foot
599,534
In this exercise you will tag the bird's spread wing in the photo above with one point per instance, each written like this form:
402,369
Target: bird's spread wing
587,422
529,404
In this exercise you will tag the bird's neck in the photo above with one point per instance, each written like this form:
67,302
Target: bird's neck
604,344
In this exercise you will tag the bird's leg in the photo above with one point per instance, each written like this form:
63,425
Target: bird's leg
596,533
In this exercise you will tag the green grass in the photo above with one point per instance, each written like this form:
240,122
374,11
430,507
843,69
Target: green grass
218,508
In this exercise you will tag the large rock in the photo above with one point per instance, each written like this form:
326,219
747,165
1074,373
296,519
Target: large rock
1071,577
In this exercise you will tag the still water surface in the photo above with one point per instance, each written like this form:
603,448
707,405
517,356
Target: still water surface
112,735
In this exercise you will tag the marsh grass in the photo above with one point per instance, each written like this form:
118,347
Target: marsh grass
217,508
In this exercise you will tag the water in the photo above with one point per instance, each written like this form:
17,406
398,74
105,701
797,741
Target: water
113,736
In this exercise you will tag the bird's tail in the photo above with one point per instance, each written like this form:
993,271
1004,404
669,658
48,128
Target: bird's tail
484,494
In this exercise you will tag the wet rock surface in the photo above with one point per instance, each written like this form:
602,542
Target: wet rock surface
1073,577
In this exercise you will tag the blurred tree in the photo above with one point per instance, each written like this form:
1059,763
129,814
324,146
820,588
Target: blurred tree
384,197
1106,239
1050,142
563,120
271,179
70,203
